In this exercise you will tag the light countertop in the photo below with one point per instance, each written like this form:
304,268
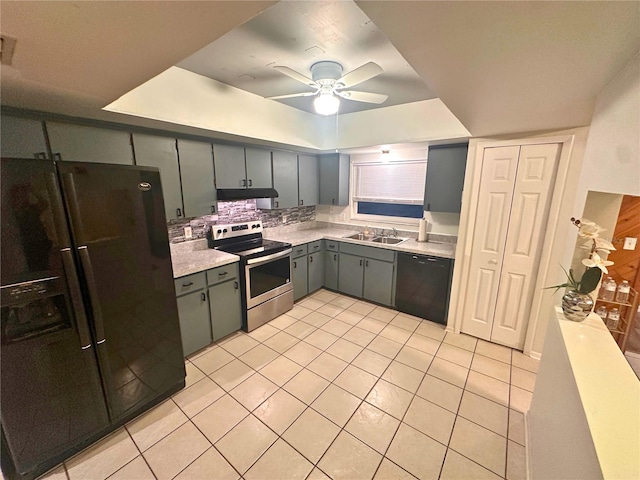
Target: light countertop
194,256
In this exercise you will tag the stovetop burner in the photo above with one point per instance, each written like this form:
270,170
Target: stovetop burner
243,239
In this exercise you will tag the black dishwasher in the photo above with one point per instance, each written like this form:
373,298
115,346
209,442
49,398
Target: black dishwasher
423,286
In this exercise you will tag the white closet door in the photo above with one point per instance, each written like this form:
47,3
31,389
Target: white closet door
537,168
497,182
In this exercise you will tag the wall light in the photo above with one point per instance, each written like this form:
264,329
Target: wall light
326,103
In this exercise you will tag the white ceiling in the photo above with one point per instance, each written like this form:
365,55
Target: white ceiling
500,67
297,35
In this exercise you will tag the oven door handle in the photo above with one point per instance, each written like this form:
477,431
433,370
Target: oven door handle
268,258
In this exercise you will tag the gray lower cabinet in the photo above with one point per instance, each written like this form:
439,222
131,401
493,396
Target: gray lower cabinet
226,308
161,152
350,276
299,273
196,173
22,138
193,312
315,267
79,143
331,262
378,281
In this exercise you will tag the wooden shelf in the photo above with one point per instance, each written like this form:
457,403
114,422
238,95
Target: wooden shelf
627,314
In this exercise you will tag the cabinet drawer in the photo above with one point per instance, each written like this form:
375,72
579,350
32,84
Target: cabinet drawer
190,283
299,251
369,252
222,274
314,247
331,245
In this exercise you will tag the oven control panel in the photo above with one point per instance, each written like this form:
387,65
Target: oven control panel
218,232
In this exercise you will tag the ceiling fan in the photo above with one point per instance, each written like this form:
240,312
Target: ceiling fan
329,84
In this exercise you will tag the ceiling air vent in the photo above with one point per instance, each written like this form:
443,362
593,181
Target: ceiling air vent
7,49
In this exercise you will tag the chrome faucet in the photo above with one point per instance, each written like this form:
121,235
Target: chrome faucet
395,232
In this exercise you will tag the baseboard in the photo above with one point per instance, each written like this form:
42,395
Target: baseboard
527,448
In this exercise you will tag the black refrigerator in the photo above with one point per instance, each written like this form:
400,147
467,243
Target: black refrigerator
90,335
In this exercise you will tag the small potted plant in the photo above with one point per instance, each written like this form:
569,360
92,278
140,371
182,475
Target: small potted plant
577,302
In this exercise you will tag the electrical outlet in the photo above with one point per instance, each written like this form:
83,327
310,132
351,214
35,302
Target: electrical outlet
630,243
188,232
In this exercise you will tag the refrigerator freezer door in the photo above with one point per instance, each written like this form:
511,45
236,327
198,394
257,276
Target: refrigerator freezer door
120,235
50,390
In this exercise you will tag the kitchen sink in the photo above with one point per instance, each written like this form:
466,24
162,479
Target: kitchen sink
389,240
361,236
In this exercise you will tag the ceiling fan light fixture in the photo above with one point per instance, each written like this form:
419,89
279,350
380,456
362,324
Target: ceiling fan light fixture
326,103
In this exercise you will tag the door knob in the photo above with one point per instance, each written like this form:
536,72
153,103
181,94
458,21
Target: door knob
493,262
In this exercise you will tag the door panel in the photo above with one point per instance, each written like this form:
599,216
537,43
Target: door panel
226,312
196,172
308,181
378,280
316,271
350,275
497,181
299,272
530,208
258,168
195,324
331,270
160,152
121,236
229,166
79,143
285,179
22,138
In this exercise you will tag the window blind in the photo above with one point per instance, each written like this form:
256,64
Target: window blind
398,182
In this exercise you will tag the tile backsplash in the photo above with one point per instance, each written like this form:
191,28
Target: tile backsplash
239,211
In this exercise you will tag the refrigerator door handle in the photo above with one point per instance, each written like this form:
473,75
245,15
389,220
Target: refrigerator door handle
76,298
72,202
93,293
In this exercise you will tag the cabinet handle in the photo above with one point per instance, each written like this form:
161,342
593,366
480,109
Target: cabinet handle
250,183
203,296
493,261
244,183
188,284
213,209
315,247
360,262
310,259
428,207
366,264
301,202
178,212
222,274
333,201
277,204
235,285
57,156
40,155
335,257
295,265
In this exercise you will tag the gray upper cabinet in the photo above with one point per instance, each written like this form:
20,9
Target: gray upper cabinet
229,166
334,179
79,143
22,138
196,172
445,178
285,179
258,162
161,152
308,173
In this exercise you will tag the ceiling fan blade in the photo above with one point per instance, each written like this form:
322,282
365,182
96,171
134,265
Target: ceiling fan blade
366,97
292,95
360,74
296,76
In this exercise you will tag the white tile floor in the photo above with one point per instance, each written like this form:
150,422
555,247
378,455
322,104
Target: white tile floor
336,388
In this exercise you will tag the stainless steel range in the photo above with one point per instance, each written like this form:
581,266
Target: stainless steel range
265,270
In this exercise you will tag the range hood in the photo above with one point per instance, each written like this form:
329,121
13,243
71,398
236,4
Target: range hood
245,193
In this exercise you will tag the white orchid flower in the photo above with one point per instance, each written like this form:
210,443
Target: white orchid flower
597,261
589,229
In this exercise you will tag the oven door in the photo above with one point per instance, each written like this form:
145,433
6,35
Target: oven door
267,277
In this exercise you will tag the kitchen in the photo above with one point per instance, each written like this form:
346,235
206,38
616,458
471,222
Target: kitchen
325,213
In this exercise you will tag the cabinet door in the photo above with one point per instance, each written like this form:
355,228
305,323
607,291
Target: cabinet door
229,166
79,143
258,163
331,270
161,152
285,179
350,275
334,179
378,281
445,178
316,271
195,325
308,181
196,173
22,138
226,309
299,276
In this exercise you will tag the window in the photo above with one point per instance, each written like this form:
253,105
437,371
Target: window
389,189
